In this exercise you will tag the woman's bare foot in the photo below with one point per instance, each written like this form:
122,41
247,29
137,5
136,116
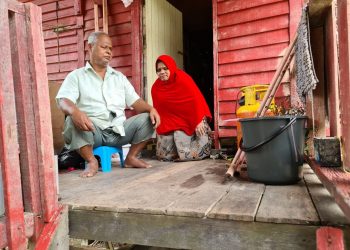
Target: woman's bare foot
91,169
134,162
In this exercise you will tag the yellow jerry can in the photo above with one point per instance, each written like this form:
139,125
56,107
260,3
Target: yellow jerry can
251,97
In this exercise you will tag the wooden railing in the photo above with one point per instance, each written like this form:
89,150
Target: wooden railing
26,147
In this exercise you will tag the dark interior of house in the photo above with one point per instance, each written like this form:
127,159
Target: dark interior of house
198,44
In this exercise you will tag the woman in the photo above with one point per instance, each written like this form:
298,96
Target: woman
184,133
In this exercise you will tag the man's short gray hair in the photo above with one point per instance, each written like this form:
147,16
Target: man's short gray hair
92,39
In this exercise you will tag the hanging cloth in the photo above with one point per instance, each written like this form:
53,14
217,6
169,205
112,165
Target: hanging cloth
305,71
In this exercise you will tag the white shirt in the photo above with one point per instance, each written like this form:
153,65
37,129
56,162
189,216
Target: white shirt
100,98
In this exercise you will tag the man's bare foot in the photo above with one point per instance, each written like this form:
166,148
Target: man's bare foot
91,169
134,162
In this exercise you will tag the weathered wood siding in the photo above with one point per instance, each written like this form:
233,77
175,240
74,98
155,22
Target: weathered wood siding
251,38
67,24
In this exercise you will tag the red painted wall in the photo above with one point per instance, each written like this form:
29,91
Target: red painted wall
251,37
67,50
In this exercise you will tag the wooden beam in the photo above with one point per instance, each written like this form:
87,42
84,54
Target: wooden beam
337,182
189,233
136,45
25,121
330,238
105,16
96,17
318,11
10,165
41,113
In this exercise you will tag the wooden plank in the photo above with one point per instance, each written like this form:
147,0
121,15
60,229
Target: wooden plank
254,27
137,47
114,9
226,132
329,238
282,204
58,14
122,61
25,121
337,183
80,43
241,202
295,9
78,8
119,29
200,189
230,6
256,40
9,148
343,22
50,34
15,6
255,53
112,20
332,72
70,48
328,211
237,81
63,21
249,79
215,72
96,18
188,233
173,191
239,68
123,180
105,16
252,14
45,161
235,94
64,57
70,40
68,66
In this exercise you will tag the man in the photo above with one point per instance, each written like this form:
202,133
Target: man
94,98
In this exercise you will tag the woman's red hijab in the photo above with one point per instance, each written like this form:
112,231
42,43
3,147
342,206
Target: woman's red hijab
179,102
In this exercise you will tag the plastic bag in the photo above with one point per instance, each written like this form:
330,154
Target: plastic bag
70,159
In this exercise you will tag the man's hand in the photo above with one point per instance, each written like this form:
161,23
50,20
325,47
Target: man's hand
200,129
82,121
155,118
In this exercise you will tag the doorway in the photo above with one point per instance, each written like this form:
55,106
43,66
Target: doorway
195,51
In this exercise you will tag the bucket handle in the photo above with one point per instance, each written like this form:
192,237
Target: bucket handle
274,135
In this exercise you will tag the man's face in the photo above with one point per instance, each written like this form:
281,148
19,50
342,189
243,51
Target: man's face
101,51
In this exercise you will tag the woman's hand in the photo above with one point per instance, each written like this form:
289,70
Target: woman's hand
200,129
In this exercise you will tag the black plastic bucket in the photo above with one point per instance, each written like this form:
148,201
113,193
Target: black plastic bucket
274,148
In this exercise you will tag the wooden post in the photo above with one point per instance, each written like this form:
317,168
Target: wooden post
105,16
41,113
25,121
96,17
329,238
9,148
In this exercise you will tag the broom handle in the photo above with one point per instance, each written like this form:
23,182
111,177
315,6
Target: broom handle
276,79
265,103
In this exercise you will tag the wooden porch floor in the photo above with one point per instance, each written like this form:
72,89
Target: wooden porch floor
186,206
